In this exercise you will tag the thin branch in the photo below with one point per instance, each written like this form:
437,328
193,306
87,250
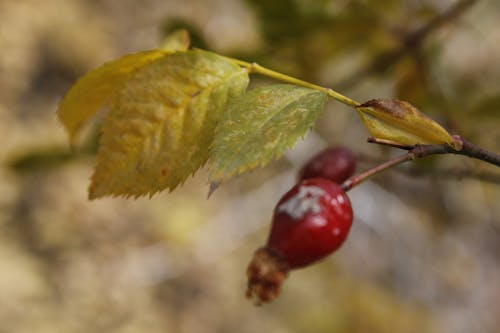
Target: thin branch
463,173
383,61
468,149
420,151
441,173
361,177
410,43
456,10
479,153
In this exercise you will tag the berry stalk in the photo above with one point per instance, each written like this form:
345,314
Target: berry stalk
361,177
419,151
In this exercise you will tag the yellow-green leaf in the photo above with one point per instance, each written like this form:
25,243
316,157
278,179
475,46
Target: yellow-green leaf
259,125
95,90
162,122
400,122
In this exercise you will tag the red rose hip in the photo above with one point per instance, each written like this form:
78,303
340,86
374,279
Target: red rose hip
336,164
310,221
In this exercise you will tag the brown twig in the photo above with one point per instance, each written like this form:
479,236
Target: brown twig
360,177
462,173
409,44
441,173
420,151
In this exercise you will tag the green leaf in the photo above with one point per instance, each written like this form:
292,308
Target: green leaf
41,159
259,126
275,17
401,123
162,122
489,107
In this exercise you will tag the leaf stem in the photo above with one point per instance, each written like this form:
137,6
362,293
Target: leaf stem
256,68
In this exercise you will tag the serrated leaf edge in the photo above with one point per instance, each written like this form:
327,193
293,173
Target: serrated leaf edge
215,182
91,196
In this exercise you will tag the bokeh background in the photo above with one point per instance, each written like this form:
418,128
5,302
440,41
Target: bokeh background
424,251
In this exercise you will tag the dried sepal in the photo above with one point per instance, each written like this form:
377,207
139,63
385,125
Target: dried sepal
402,123
266,273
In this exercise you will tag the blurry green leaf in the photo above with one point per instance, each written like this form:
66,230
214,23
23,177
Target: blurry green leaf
275,18
489,107
41,159
411,81
401,123
259,126
162,123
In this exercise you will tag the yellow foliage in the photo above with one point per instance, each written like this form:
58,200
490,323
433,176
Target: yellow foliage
162,123
401,123
95,90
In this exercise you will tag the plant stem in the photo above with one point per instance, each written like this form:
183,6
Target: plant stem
256,68
476,152
419,151
361,177
454,173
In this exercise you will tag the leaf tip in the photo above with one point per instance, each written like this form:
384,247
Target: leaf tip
95,191
213,186
92,195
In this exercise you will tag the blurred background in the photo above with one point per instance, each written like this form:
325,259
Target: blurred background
424,251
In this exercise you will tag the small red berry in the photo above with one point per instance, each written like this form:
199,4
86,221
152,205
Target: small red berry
336,164
310,221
